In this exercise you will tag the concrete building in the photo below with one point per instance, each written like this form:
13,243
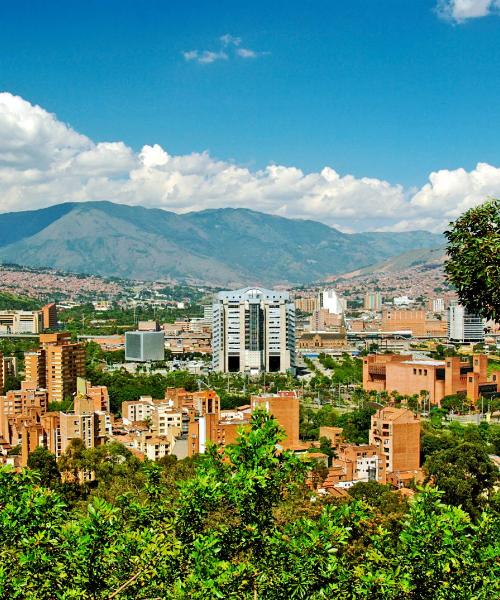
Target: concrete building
396,433
253,331
463,326
439,378
324,341
20,321
17,406
372,301
56,365
144,346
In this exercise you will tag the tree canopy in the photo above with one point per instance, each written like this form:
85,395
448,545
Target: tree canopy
473,264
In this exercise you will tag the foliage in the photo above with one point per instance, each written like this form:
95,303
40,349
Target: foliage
473,265
240,525
465,473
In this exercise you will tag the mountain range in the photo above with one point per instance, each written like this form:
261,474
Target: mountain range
222,247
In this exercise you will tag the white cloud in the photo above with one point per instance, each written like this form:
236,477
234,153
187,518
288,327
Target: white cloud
229,47
229,40
461,10
44,161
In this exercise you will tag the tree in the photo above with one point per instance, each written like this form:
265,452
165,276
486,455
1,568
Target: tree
43,461
473,264
464,473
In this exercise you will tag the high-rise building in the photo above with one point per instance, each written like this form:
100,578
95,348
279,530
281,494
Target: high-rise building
396,432
253,331
56,365
144,346
328,299
373,301
464,326
49,316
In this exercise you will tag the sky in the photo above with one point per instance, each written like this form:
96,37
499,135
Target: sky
362,114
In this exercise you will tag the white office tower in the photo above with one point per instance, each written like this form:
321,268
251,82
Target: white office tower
253,331
464,326
328,299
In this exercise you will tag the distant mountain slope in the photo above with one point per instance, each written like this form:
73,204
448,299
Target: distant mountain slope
428,258
221,247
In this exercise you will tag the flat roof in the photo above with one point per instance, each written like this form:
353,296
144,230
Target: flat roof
425,363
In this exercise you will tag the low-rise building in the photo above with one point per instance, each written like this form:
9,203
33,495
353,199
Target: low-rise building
439,378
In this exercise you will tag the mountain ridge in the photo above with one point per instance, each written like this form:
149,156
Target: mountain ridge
225,246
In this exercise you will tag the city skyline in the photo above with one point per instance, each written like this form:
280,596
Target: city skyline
290,115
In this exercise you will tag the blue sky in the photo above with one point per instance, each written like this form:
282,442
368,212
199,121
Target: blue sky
385,89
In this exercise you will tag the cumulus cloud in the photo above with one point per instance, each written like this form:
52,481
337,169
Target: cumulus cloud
459,11
229,47
44,161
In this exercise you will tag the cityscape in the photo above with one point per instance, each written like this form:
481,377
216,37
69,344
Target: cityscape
229,378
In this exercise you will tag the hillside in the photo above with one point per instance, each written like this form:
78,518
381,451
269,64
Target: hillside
221,247
424,258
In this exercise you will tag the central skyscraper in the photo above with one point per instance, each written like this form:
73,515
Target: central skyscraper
253,331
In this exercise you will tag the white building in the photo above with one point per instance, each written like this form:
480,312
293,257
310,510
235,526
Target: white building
329,299
465,327
253,331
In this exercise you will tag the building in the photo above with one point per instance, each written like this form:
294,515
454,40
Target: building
307,304
56,365
463,326
285,409
148,326
20,321
439,378
436,305
329,300
324,341
354,464
253,331
415,321
144,346
49,316
182,337
96,395
372,301
17,405
396,433
324,320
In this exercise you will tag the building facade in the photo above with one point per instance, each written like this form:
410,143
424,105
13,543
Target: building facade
56,365
396,433
144,346
463,326
253,331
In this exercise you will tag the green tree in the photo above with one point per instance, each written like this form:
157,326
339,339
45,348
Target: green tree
43,461
473,265
464,473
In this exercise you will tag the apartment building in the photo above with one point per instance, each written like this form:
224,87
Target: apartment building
49,316
396,433
439,378
307,305
285,409
356,463
16,406
56,365
372,301
253,331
